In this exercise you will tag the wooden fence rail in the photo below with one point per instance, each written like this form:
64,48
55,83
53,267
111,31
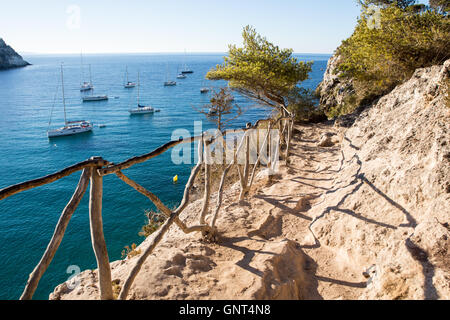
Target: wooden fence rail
95,168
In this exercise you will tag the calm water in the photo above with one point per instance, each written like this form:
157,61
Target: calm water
28,219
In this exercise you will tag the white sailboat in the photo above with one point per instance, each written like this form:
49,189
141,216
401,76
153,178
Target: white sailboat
204,89
169,83
92,97
141,109
70,127
128,83
85,85
180,75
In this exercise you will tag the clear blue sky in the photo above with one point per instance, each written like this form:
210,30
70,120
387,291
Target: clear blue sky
110,26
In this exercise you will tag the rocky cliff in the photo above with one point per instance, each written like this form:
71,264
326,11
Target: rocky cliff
358,213
389,209
333,89
10,58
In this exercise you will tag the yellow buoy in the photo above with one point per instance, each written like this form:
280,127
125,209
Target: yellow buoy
175,179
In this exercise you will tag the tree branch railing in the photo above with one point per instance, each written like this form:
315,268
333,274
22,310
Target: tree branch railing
93,171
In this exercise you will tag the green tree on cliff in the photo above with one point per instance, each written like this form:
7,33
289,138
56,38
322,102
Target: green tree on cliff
398,3
377,58
442,6
262,71
221,110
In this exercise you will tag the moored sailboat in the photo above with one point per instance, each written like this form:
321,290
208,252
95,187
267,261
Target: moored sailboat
85,85
141,109
95,98
169,83
70,127
128,84
186,69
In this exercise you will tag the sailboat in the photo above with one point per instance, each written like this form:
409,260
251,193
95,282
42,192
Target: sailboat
88,98
129,84
95,98
141,109
186,69
180,75
70,127
204,89
85,86
169,83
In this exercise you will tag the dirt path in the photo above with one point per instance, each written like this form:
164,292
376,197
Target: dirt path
310,174
266,251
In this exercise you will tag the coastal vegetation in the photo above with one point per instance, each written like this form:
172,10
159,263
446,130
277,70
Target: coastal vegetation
130,252
221,110
266,74
389,43
155,220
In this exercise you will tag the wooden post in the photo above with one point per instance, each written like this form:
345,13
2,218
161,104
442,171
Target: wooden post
261,150
246,169
269,152
207,160
220,195
97,237
289,135
58,235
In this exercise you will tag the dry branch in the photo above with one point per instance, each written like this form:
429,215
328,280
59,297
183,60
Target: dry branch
58,235
11,190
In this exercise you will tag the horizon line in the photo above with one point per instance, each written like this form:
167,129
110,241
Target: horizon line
137,53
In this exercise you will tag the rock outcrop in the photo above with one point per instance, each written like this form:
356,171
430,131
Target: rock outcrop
399,153
333,89
10,58
387,211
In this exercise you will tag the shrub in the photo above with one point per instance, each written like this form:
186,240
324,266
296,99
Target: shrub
378,59
130,252
304,103
155,220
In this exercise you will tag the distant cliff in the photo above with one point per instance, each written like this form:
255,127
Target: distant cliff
10,58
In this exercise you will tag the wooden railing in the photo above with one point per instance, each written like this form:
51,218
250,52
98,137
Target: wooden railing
93,171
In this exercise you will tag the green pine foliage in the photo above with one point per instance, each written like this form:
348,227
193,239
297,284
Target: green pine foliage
378,57
262,71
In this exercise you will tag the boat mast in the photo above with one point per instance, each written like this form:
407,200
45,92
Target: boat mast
126,68
139,85
90,75
63,97
82,69
167,73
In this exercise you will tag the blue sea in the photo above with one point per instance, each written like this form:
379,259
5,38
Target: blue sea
30,96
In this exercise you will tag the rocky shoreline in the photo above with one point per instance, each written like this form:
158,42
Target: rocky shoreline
9,58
